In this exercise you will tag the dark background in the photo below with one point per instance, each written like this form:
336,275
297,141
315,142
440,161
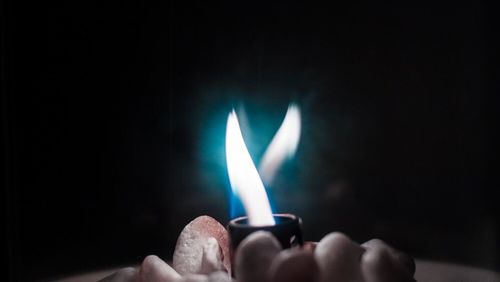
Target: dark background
113,119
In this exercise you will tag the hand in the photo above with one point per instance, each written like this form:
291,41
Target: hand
335,258
202,255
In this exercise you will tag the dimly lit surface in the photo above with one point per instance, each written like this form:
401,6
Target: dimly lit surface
114,117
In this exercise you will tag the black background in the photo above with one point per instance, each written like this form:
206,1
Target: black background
113,120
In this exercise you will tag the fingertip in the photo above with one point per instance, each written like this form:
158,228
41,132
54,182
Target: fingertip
337,244
338,258
400,257
294,265
376,265
155,269
254,256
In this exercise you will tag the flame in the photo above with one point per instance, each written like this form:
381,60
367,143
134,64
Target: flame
244,178
283,145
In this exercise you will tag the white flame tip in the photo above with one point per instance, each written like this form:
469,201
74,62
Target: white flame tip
243,176
284,144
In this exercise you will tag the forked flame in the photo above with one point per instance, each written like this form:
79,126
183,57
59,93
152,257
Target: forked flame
244,178
283,145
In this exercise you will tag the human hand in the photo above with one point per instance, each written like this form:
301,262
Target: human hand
259,257
335,258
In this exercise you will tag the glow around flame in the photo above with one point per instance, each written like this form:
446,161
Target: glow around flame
244,178
283,145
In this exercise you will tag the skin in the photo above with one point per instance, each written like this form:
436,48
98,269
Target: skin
124,274
382,263
398,257
294,265
191,243
336,258
255,255
154,269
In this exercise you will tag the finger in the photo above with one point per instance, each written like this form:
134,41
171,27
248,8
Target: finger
219,276
194,278
254,256
294,265
128,274
396,255
153,269
338,258
188,252
211,258
377,265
